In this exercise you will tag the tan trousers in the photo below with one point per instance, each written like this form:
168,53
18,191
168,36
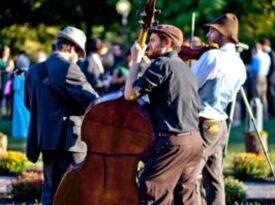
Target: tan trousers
212,190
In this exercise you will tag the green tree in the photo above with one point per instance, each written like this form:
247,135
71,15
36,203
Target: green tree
99,18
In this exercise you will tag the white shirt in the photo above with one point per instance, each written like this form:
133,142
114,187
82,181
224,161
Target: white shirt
264,62
220,74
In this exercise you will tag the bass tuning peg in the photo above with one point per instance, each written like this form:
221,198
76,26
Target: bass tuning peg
156,22
142,14
141,22
157,11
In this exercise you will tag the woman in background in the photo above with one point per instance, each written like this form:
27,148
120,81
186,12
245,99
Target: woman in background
20,115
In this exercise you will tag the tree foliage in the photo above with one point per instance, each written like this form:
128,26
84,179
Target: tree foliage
24,38
99,18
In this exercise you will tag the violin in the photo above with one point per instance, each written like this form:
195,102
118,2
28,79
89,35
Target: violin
188,53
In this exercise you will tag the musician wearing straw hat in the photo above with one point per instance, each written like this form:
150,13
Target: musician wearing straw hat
220,74
57,94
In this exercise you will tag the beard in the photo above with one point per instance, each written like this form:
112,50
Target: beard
154,52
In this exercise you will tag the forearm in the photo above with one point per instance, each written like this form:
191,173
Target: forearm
129,92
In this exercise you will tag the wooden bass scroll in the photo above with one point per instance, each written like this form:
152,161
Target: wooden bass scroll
116,132
147,20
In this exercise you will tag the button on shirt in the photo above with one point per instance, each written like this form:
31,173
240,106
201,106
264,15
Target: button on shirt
172,90
220,74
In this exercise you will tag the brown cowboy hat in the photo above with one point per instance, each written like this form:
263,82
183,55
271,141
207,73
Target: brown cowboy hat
227,25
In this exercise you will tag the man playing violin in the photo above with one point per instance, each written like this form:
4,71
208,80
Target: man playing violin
176,151
220,74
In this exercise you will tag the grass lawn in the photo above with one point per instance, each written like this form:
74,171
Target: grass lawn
236,141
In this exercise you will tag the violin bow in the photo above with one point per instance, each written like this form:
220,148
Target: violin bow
192,35
147,20
192,29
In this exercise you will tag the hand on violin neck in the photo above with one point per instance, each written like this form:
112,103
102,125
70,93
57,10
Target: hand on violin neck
137,52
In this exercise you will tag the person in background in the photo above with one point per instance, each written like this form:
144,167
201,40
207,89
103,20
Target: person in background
92,66
266,45
176,151
117,52
57,94
40,56
120,73
20,114
220,74
259,69
6,71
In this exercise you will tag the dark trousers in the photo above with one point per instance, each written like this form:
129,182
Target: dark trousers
214,139
173,161
55,165
270,97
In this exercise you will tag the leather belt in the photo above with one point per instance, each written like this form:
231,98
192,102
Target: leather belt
203,119
173,139
162,134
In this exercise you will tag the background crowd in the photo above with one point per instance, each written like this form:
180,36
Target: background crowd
106,68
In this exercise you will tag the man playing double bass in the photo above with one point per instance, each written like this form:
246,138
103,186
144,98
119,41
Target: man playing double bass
176,151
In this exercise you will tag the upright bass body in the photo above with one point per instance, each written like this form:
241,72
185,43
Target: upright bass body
116,132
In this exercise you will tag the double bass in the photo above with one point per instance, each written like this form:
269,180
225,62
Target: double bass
116,132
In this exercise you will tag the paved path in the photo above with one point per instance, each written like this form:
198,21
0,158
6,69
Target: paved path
5,183
260,191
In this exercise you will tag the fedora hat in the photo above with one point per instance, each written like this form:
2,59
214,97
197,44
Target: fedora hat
170,31
227,25
74,35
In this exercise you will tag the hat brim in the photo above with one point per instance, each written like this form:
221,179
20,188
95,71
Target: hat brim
215,26
63,35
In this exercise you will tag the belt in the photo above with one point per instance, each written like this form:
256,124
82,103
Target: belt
203,119
163,134
172,139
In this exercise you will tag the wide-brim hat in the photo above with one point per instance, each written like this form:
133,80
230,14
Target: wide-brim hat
76,36
227,25
170,31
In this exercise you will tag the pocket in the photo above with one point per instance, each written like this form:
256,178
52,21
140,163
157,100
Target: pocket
161,146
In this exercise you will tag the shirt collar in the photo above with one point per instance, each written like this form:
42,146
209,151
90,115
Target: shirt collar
170,54
228,47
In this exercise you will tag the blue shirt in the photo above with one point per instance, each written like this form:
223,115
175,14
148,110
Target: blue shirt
220,74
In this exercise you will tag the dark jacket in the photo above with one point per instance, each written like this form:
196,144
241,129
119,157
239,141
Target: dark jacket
57,104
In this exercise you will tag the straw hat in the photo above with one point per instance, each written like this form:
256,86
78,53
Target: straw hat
74,35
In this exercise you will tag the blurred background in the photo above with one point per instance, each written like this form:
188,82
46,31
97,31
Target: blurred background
31,25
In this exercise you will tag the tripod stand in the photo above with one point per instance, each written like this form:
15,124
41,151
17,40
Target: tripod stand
249,111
